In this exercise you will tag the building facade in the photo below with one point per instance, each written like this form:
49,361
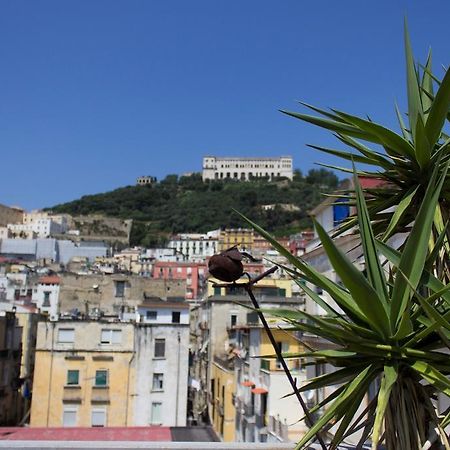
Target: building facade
10,360
244,169
240,393
195,246
110,373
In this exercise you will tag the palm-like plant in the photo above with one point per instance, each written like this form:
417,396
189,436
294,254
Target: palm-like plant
394,326
408,159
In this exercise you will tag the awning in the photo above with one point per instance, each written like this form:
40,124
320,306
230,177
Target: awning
248,383
259,390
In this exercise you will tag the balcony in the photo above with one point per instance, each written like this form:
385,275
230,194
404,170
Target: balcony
72,394
100,394
277,428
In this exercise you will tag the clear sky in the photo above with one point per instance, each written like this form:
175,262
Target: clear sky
95,93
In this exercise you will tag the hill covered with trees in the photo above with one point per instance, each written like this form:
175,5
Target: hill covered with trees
187,204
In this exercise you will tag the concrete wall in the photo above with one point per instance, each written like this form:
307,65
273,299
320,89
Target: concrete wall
99,291
10,215
173,366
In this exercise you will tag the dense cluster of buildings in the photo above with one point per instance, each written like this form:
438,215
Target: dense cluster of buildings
141,337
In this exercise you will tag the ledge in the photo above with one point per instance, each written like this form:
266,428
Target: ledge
102,445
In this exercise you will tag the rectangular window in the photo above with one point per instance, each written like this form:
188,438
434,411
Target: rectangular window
120,288
73,377
156,413
69,417
233,320
340,212
176,316
151,315
158,382
101,378
160,348
98,418
46,301
284,348
66,335
109,336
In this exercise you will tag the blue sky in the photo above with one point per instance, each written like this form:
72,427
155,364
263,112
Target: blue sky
95,93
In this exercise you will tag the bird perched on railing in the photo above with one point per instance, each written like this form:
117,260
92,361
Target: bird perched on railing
227,266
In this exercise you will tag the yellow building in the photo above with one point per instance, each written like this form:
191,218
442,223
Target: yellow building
275,287
223,387
83,374
243,237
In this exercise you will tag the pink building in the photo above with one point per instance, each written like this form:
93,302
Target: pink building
192,273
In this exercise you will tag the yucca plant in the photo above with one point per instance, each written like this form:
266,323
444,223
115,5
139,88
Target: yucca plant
392,325
404,161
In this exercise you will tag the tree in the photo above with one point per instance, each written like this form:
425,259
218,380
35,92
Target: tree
393,322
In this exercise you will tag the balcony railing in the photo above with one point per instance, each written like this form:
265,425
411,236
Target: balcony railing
100,394
278,428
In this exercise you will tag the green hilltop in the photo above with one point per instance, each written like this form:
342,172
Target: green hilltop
187,204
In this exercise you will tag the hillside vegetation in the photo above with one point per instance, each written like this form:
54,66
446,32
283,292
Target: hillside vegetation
187,204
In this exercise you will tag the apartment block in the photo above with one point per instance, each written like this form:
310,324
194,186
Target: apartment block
99,373
238,391
195,246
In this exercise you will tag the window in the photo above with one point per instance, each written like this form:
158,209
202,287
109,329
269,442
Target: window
101,378
66,335
98,418
151,315
340,212
284,348
46,301
120,288
175,316
160,348
156,413
69,418
158,382
109,336
233,320
73,377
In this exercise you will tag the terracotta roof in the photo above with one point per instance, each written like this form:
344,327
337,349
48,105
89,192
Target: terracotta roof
151,433
259,390
50,279
370,183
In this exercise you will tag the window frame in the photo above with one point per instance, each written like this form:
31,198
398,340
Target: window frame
61,341
98,411
176,314
68,380
159,341
158,382
70,410
153,313
153,420
96,384
110,340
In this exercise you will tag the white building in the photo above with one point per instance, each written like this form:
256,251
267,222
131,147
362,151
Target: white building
39,224
216,168
162,356
46,295
195,247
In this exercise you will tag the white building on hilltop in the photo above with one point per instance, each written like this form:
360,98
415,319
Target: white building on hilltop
216,168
